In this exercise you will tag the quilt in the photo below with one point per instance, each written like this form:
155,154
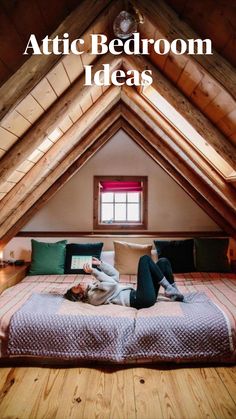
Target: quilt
36,321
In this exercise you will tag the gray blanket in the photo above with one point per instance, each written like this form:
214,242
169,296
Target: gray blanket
47,326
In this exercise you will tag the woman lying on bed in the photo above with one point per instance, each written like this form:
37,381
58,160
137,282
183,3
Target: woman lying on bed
106,288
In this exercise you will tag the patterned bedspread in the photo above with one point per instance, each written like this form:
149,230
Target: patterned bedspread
36,321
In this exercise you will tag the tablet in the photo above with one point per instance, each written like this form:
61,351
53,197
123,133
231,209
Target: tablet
77,262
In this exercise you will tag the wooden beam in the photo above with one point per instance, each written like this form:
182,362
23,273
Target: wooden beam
171,136
46,190
182,105
176,160
50,120
104,233
171,27
101,113
37,66
177,176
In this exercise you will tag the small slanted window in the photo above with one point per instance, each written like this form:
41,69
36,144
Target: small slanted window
120,202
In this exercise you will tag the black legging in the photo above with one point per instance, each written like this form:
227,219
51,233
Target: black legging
149,276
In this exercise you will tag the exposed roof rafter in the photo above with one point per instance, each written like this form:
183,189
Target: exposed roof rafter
202,125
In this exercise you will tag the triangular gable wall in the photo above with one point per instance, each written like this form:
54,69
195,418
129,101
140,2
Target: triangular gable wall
71,208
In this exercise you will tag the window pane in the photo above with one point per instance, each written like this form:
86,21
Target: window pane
120,197
107,212
133,196
107,196
133,212
120,212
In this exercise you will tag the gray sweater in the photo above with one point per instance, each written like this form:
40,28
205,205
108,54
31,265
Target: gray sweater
106,288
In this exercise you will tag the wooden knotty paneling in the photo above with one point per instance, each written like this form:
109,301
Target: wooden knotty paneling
214,19
26,17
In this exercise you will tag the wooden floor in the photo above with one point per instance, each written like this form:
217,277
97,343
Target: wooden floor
142,393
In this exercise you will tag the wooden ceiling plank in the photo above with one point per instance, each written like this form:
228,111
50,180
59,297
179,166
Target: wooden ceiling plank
25,166
205,92
55,134
7,139
62,147
222,105
174,66
86,103
46,145
96,93
65,124
44,94
58,79
189,156
50,120
189,78
187,186
37,66
199,184
171,27
73,65
158,59
175,98
228,123
35,156
16,177
30,109
62,173
16,124
76,113
6,187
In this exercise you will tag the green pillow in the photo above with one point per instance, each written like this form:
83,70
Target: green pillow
211,255
48,258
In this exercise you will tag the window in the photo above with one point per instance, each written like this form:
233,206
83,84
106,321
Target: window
120,202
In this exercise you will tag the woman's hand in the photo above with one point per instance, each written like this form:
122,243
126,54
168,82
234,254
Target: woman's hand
96,261
87,268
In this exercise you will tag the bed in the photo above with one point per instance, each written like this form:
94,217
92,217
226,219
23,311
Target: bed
37,323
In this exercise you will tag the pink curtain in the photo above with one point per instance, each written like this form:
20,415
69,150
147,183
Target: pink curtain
118,186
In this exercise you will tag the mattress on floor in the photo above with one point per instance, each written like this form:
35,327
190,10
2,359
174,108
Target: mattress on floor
36,321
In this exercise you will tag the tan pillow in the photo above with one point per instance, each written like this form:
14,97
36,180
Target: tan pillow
127,256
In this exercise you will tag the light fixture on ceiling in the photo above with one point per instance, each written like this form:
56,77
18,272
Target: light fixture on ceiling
126,23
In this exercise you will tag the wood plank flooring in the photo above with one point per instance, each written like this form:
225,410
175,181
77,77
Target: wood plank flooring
129,393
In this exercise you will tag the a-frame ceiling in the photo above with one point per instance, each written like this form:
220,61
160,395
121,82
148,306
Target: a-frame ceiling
52,124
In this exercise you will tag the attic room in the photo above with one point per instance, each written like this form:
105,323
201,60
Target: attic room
117,209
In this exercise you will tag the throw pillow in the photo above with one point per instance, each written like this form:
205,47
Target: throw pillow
179,253
211,255
127,256
81,249
48,258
